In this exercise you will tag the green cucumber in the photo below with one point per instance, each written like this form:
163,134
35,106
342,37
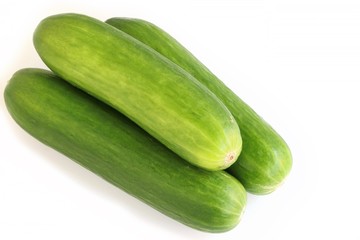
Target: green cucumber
152,91
109,144
265,160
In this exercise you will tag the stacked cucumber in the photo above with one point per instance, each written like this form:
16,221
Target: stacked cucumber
128,102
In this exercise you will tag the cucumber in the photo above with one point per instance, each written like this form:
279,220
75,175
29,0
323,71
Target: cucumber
110,145
152,91
265,160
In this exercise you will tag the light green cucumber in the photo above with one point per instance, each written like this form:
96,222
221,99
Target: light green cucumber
265,160
152,91
107,143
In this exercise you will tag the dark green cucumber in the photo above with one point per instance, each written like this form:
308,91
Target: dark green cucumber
154,92
107,143
265,160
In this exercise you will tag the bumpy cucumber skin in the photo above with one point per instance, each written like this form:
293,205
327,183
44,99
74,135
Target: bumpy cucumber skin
107,143
154,92
265,160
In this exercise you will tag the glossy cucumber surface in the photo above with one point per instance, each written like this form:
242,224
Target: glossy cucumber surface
142,84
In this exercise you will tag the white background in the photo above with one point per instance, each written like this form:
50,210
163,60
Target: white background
296,62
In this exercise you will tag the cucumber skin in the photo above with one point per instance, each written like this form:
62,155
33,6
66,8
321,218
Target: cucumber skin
152,91
107,143
265,160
